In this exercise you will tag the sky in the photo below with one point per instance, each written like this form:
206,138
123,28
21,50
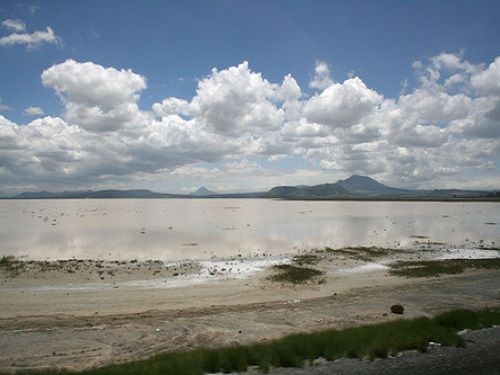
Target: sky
247,95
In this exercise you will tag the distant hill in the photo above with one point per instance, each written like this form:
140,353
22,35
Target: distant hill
354,187
203,192
136,193
363,187
324,190
47,194
111,193
366,186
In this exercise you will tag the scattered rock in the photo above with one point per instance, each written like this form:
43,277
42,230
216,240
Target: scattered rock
433,344
397,309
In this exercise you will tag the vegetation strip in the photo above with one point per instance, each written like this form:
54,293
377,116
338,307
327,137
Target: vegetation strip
363,253
372,341
300,271
289,273
435,268
11,265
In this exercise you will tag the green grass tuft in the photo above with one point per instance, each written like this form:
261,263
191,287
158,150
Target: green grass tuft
289,273
11,265
436,268
307,259
361,252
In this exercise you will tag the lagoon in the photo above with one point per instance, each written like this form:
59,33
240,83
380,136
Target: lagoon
202,229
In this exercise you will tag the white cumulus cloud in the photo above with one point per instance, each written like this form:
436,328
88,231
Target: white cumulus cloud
342,104
487,82
3,106
238,123
96,98
34,111
236,100
171,106
32,40
321,79
14,25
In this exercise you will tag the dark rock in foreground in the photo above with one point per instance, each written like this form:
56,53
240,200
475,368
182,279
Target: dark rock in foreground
397,309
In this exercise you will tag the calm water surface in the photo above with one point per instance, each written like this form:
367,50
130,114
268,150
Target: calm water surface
176,229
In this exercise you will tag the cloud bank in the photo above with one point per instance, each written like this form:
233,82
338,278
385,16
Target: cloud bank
240,131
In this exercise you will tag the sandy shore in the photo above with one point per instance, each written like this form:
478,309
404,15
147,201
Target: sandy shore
77,314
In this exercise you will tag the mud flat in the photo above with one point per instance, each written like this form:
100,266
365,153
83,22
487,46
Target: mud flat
77,314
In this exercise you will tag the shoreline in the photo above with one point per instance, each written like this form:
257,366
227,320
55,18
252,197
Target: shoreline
291,198
130,314
57,287
82,341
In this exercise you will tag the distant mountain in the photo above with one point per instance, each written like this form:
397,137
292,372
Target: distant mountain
48,194
111,193
322,191
136,193
366,186
203,192
456,193
363,187
354,187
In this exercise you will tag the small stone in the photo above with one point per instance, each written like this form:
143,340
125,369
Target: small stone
397,308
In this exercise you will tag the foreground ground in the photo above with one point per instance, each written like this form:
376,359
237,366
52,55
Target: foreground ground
48,321
480,356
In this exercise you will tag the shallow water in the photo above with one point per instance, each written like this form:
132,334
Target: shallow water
176,229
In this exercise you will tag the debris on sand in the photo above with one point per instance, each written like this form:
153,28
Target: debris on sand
397,309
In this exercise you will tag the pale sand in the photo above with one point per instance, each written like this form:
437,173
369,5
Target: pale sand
78,320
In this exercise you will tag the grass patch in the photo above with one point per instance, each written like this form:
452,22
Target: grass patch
45,265
7,262
360,252
289,273
11,265
298,271
436,268
372,341
306,259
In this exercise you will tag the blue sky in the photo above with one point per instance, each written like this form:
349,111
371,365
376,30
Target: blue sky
175,45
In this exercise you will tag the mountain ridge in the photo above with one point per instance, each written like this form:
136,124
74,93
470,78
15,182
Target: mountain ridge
364,187
354,187
203,192
323,190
